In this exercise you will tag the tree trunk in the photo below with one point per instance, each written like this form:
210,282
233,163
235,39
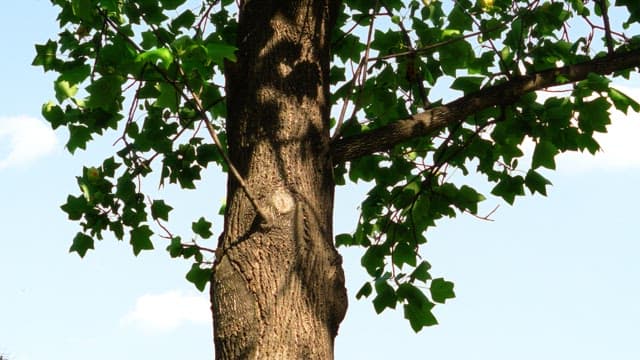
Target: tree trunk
278,287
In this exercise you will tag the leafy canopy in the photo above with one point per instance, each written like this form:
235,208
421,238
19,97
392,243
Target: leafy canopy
152,71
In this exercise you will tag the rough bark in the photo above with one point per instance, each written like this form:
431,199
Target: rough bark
434,119
278,287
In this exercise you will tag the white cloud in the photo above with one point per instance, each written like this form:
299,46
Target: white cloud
23,140
167,311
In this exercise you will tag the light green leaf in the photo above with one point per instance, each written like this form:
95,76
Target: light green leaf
64,90
161,57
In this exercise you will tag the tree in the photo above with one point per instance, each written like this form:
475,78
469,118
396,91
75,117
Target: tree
151,69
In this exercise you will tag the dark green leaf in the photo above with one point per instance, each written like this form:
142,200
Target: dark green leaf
160,210
441,290
467,84
544,155
171,4
75,207
373,259
419,317
536,182
364,291
81,243
385,296
344,239
422,272
141,239
508,188
623,102
175,248
404,253
199,276
202,227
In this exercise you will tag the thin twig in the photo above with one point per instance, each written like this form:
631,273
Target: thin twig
607,25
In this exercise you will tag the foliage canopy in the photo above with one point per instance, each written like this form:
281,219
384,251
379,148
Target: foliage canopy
421,89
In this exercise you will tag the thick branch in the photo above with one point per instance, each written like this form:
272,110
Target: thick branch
432,120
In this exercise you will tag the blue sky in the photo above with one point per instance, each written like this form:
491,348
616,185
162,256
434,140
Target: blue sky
550,278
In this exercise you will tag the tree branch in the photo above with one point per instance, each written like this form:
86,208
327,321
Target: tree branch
434,119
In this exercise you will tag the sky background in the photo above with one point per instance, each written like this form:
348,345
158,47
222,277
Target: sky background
550,278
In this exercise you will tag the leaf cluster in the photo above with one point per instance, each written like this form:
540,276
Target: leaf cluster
147,70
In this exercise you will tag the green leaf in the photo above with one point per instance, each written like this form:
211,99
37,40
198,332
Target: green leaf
594,115
64,90
160,210
202,227
373,259
468,199
412,294
171,4
168,98
199,276
161,57
344,240
53,114
421,272
83,9
175,248
364,291
81,243
184,20
46,55
78,138
220,51
441,290
623,102
141,239
75,207
544,155
421,213
509,187
536,182
404,253
385,296
208,153
106,93
419,317
117,228
467,84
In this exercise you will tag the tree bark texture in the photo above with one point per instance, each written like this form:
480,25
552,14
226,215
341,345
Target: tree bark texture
278,286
